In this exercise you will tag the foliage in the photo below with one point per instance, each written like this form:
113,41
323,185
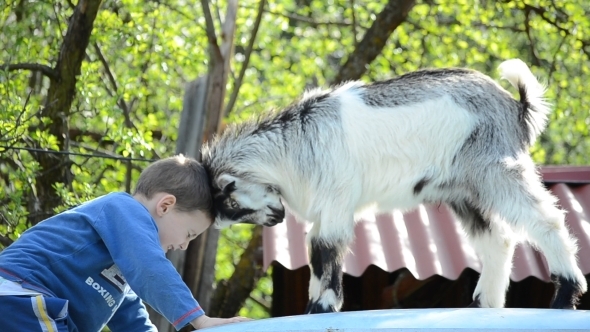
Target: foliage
231,245
551,37
141,53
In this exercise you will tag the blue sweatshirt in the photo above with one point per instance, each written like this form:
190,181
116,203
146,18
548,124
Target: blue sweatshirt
104,257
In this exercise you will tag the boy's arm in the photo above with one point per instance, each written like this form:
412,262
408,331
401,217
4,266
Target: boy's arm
131,237
131,316
205,321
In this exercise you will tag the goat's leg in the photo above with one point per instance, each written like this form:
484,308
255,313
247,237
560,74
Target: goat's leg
494,244
532,210
325,284
495,249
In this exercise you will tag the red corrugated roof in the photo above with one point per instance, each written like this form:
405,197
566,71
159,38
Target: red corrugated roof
429,240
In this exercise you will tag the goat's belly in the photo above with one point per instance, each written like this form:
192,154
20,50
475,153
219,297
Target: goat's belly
390,201
388,195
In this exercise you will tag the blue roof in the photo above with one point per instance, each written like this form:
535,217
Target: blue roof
422,320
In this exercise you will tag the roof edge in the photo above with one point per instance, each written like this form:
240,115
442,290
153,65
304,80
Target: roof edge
565,174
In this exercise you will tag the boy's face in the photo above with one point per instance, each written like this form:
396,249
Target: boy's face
175,228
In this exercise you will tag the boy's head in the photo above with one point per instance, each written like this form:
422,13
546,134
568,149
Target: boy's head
180,176
176,192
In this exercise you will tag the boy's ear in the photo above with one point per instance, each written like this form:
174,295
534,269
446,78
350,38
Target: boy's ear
165,204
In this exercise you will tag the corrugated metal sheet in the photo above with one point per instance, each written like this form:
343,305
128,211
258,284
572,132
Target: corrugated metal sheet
429,240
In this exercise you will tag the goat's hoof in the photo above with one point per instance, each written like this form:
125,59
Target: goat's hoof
475,303
567,294
317,308
567,306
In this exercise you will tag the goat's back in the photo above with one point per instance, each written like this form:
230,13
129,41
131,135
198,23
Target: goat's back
427,124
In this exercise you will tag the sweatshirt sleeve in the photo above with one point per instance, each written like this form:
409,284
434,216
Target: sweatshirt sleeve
131,237
131,316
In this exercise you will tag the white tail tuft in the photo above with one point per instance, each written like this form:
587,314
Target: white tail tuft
531,92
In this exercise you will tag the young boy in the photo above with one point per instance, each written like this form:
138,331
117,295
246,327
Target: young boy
93,265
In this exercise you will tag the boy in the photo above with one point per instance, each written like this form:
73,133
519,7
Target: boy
93,265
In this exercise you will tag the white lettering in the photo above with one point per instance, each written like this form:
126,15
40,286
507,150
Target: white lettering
103,292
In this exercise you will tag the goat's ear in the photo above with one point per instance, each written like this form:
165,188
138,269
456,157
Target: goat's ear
227,183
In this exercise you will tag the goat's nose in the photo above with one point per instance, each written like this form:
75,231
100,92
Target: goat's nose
278,213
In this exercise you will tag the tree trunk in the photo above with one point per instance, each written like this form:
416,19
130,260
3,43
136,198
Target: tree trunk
190,133
199,269
201,119
231,294
60,96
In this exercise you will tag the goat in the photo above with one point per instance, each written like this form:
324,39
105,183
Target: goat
451,136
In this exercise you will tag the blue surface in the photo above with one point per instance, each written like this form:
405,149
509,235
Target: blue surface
422,320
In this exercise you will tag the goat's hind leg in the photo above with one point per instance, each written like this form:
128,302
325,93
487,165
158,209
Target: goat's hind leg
325,284
494,244
531,209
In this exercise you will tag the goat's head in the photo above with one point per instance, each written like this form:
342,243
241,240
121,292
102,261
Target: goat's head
237,200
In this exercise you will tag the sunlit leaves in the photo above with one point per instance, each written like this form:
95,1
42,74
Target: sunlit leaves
141,54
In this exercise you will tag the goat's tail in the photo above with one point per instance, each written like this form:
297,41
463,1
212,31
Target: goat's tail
534,107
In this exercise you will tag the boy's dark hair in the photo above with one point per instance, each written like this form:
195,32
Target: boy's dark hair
181,176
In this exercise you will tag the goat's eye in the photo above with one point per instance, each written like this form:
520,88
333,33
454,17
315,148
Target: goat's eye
233,204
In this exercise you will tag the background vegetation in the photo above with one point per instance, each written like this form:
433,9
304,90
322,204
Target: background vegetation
127,94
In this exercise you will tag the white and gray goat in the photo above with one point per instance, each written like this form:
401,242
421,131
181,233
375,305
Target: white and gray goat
450,136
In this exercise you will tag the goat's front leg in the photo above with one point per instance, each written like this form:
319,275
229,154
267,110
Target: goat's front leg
325,285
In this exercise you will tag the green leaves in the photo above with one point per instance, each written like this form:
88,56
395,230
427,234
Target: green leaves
130,90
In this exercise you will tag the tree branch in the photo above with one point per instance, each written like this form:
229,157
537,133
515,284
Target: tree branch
541,12
5,241
354,24
248,53
210,29
9,134
393,14
219,65
311,22
45,70
527,28
142,78
552,66
107,69
266,306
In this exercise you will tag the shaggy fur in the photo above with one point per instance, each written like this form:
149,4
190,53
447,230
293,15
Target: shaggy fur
450,136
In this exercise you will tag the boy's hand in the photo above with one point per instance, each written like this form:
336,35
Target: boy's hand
205,321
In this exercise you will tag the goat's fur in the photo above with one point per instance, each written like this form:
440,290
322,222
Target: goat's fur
449,136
